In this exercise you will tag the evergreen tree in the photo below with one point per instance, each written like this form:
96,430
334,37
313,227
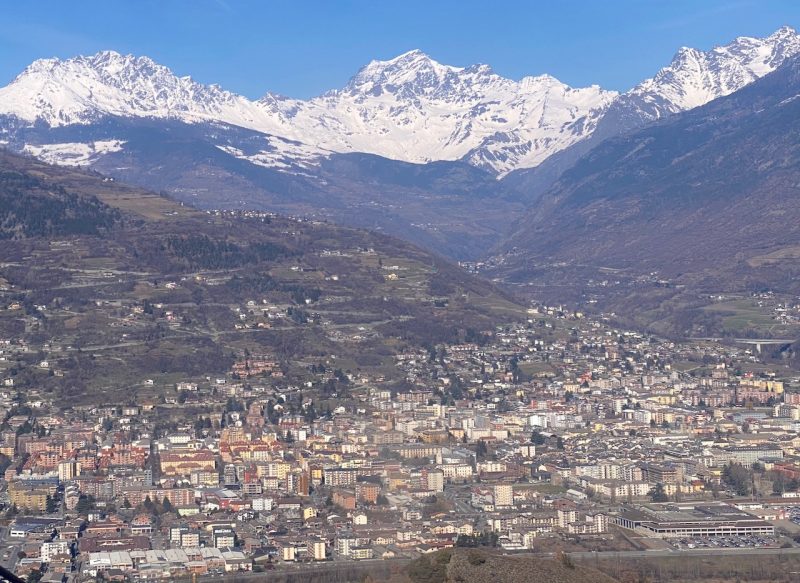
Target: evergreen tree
657,494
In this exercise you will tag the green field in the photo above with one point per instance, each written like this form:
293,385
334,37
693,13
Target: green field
741,315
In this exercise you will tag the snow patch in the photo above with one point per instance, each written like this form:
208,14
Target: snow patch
282,154
73,153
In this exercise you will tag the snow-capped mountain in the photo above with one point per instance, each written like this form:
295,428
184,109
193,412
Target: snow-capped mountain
694,78
410,108
83,90
415,109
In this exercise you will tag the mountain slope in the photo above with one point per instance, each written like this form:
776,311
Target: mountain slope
692,79
46,212
409,146
450,207
706,198
163,291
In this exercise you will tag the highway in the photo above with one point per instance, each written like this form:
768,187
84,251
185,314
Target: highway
306,569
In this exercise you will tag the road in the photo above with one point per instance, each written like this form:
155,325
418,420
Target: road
306,568
738,552
8,550
461,506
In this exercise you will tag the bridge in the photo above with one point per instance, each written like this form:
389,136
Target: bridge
757,342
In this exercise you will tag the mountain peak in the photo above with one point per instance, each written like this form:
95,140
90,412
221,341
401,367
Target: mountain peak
783,32
695,77
412,58
39,65
108,55
414,69
782,37
106,62
683,51
99,58
410,55
543,79
85,88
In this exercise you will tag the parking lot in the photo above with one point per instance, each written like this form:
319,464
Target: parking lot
793,514
726,542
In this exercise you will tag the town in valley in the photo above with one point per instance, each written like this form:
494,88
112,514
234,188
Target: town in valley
556,431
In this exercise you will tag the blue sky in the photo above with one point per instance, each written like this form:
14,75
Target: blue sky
303,48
